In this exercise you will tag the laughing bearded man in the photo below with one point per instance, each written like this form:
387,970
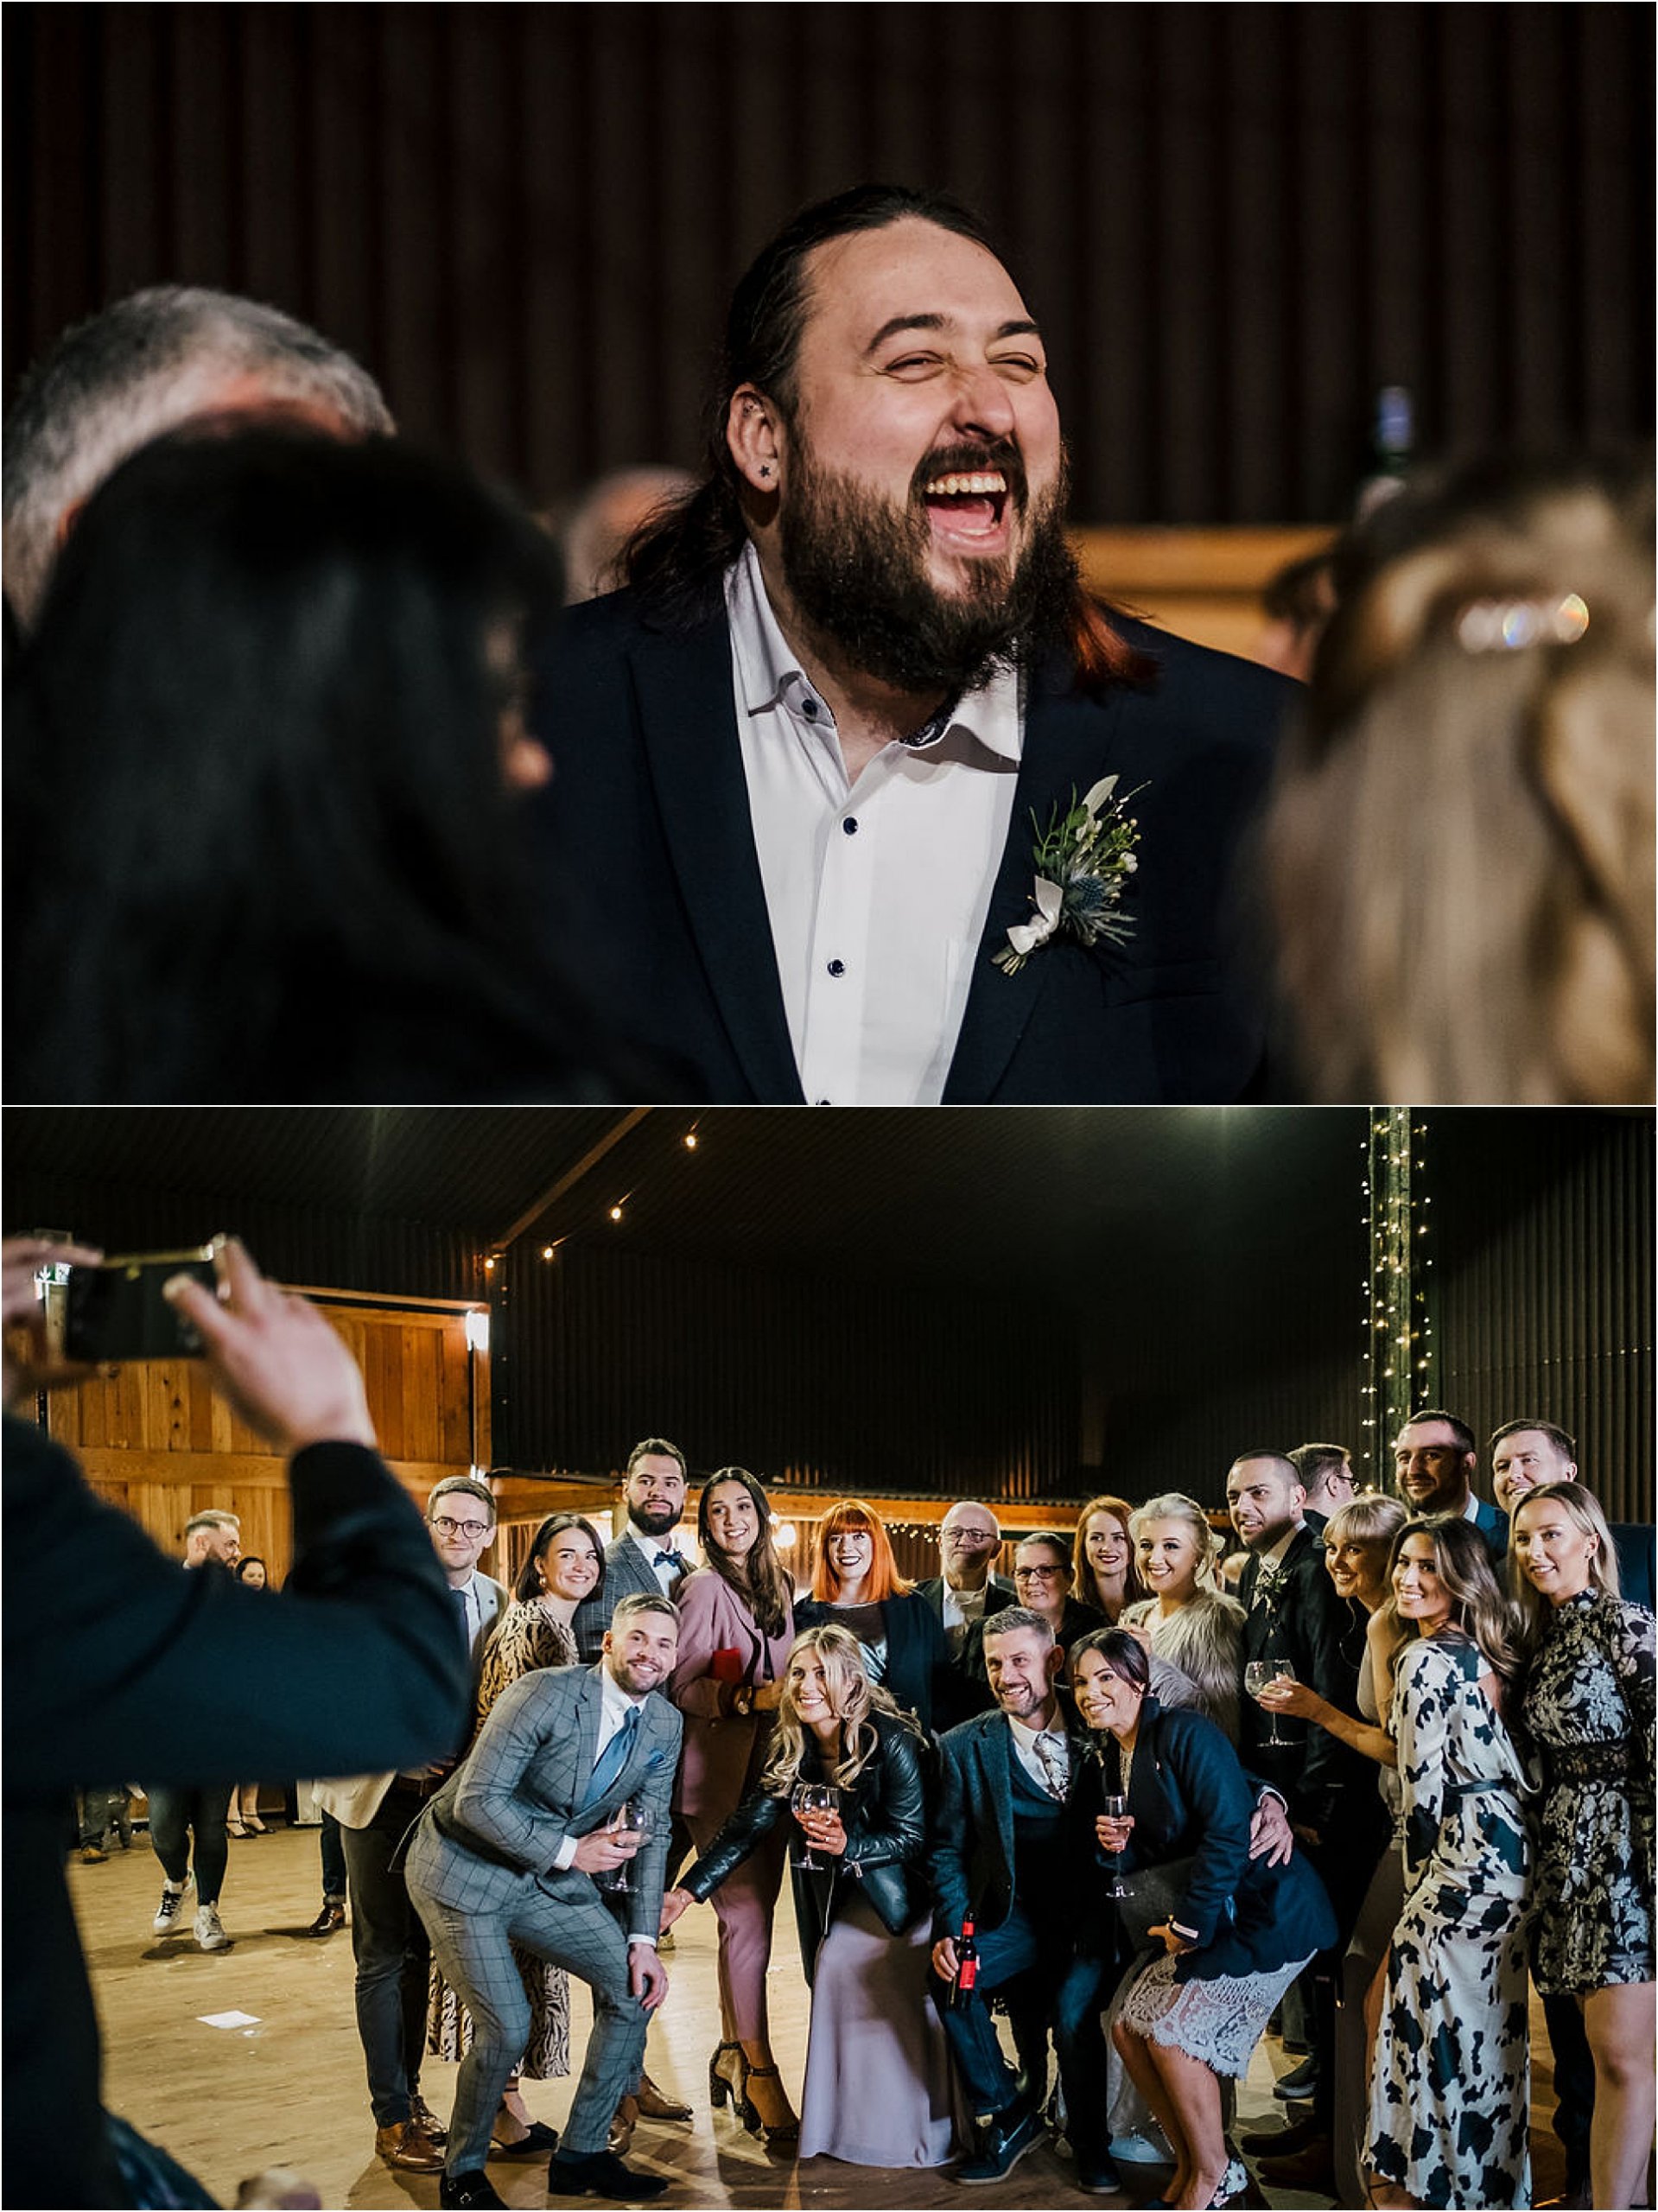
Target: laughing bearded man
805,761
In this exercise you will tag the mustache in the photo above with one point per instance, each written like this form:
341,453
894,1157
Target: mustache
964,459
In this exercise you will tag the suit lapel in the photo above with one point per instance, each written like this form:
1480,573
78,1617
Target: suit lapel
997,1745
1066,749
589,1703
688,713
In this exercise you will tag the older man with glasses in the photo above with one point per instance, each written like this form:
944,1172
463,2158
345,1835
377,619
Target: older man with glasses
375,1812
964,1595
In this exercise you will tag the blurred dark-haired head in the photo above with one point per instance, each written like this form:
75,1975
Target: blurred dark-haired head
262,836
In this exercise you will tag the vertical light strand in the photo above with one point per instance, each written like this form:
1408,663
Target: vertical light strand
1398,1340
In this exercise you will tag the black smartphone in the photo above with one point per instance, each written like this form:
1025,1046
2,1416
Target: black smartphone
116,1311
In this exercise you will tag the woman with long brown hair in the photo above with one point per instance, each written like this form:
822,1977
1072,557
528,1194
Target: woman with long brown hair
1449,2101
857,1585
879,2088
736,1623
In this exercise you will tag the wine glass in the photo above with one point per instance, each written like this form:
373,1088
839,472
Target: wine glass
1114,1805
1260,1675
813,1797
634,1816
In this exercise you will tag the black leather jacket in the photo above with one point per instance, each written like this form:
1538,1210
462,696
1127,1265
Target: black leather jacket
884,1816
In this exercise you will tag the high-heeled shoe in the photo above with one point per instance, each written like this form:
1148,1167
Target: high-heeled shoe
786,2130
1232,2184
721,2089
236,1828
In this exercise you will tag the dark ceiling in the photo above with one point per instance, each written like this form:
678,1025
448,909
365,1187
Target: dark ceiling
1055,1204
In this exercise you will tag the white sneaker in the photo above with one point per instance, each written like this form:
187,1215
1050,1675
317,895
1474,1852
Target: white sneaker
167,1912
210,1929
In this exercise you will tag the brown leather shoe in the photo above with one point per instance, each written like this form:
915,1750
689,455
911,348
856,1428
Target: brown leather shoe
622,2127
655,2104
407,2145
427,2120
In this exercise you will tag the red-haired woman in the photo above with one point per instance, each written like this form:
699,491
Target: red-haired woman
857,1585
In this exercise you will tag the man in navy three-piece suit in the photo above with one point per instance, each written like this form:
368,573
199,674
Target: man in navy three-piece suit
806,762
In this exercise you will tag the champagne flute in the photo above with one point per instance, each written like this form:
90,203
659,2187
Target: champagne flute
1260,1675
813,1797
634,1816
1114,1805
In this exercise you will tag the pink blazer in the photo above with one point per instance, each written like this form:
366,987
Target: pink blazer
714,1766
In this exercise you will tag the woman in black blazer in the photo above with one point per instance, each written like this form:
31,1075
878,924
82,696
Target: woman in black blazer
879,2089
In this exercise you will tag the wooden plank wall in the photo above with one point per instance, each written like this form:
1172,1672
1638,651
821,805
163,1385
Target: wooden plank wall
155,1440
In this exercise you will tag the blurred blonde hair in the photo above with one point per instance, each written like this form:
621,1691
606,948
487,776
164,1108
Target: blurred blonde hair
1458,855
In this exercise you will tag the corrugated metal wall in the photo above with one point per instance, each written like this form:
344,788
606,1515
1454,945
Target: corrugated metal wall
330,1248
831,1385
1235,221
1546,1306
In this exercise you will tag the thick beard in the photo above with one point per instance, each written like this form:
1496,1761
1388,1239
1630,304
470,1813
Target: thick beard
857,569
655,1524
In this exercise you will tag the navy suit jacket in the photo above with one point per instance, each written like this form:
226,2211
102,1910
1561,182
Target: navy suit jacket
645,840
971,1860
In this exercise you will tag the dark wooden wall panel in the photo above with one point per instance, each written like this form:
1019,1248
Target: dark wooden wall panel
1236,222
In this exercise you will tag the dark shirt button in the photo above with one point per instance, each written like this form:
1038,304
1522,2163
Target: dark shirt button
850,825
825,1101
837,967
810,709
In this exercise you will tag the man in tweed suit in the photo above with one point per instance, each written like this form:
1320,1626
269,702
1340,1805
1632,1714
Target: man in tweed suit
508,1851
644,1557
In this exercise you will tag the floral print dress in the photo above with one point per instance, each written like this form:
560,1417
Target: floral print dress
1450,2090
1587,1710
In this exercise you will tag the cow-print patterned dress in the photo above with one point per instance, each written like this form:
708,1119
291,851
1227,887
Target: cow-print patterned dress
1450,2092
1586,1707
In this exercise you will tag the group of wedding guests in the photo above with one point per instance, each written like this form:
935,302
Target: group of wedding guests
1412,1753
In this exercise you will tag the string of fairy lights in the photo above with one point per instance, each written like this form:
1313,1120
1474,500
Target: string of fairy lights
615,1210
1399,1347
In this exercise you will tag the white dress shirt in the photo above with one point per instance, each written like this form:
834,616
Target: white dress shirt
666,1576
961,1610
877,891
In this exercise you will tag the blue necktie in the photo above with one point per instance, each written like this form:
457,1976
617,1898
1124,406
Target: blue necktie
611,1761
460,1596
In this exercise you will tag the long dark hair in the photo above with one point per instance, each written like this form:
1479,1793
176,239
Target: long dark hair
1479,1612
678,561
759,1579
260,843
528,1585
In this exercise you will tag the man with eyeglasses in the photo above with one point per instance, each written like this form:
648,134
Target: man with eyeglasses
375,1812
964,1597
1326,1472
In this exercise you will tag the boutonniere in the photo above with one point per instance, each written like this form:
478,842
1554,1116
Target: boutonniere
1083,861
1269,1585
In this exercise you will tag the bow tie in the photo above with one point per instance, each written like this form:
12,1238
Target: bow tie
667,1559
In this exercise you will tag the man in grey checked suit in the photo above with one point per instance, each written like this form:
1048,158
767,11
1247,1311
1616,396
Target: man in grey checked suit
643,1558
507,1851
